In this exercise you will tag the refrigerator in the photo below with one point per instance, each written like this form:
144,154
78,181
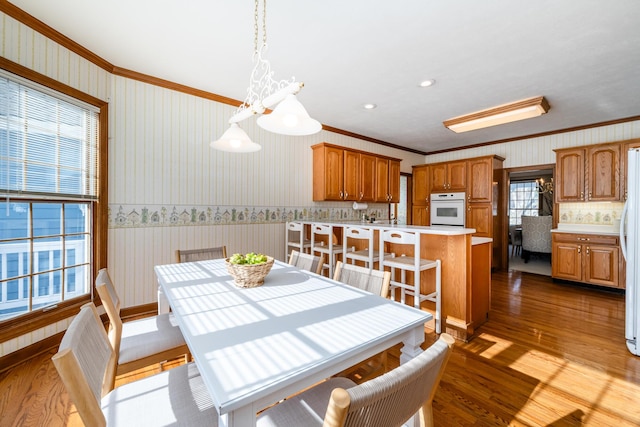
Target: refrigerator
630,244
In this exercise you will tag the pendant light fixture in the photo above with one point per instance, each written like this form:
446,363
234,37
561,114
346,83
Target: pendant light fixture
289,116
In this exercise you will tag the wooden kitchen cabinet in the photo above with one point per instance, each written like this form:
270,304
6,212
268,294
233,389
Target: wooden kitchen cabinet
480,217
367,178
626,146
449,176
588,174
420,215
387,186
352,175
479,186
570,165
420,197
328,172
587,258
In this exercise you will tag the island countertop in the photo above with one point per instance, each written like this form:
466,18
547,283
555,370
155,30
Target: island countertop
443,230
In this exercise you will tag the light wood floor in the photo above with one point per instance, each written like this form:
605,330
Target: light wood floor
552,354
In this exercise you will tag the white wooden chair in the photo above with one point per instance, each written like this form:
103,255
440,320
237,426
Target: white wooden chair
295,238
307,262
192,255
369,255
86,362
142,342
389,400
330,250
414,264
376,282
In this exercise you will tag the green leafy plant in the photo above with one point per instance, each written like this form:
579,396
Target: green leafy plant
250,258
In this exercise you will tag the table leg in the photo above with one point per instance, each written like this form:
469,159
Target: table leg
412,341
163,303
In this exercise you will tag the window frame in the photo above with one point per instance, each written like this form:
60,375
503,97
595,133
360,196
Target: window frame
29,322
537,209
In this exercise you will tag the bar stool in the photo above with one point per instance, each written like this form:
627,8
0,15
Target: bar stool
296,239
368,255
328,249
416,265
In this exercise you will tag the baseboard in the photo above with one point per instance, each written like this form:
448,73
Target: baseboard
19,356
15,358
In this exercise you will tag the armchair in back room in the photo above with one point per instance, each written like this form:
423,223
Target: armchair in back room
536,235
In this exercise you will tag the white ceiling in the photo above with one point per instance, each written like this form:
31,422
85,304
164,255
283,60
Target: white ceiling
583,56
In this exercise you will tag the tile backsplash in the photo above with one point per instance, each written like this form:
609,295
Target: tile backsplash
604,213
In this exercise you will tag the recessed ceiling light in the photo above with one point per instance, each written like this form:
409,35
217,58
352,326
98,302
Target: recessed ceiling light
369,106
427,83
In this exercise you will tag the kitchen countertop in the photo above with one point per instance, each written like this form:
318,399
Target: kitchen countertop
603,230
443,230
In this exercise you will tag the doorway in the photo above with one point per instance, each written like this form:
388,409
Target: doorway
530,193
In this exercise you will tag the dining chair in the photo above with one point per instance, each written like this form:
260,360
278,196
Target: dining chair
388,400
415,264
142,342
191,255
312,263
295,238
328,248
369,255
86,361
376,282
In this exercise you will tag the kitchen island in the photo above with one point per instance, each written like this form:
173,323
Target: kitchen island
466,270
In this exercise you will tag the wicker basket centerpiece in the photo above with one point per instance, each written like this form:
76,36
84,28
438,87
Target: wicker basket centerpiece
249,271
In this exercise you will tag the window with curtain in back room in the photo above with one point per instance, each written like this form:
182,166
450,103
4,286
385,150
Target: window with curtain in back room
48,183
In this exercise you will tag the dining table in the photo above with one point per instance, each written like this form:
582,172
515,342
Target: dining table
256,346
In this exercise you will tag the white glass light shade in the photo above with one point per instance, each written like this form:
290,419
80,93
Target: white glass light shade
289,118
235,140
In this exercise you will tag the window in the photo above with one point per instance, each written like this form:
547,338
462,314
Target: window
523,200
49,182
399,210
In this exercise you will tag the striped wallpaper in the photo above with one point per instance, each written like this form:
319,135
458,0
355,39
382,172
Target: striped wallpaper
160,160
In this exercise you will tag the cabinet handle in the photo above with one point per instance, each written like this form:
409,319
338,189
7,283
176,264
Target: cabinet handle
390,197
341,194
583,239
587,250
582,195
590,195
346,194
361,195
579,249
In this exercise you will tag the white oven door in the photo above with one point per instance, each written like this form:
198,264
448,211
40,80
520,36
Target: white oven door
447,212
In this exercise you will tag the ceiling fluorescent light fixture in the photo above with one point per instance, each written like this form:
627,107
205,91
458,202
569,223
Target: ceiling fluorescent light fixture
289,116
507,113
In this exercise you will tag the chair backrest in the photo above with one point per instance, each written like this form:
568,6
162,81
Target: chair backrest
192,255
86,363
111,304
516,237
393,398
322,230
307,262
374,281
359,233
400,238
536,233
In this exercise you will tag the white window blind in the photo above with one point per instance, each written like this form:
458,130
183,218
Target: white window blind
48,142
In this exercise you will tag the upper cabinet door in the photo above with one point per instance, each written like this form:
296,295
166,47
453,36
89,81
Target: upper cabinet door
570,165
421,187
328,172
382,180
394,181
351,175
633,143
438,177
480,180
603,173
457,176
367,178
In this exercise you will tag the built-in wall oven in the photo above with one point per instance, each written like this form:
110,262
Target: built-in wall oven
448,209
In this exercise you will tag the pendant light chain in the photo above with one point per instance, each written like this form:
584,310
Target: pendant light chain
256,28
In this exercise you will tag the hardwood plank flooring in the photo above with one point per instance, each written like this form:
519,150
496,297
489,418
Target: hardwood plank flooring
551,354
